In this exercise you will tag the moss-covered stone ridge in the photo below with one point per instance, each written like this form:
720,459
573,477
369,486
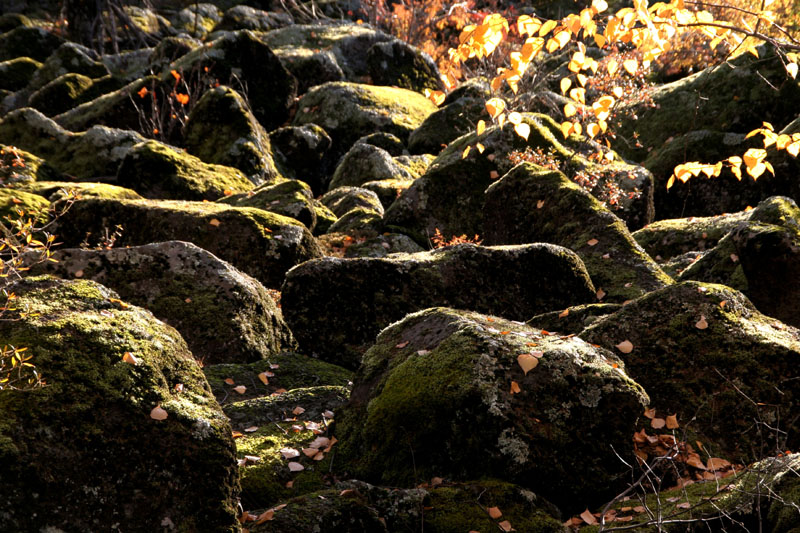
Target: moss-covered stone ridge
16,73
83,452
348,111
447,124
345,198
242,17
262,244
15,204
366,162
222,130
94,154
356,506
224,315
703,352
450,196
530,204
441,372
160,171
572,320
359,221
58,190
28,41
290,198
336,307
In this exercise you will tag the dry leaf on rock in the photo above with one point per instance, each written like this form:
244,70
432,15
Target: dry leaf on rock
158,413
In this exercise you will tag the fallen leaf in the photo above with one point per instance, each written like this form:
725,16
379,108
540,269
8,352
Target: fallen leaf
625,347
327,414
638,509
527,361
436,481
263,377
319,456
672,422
625,518
592,242
601,294
493,175
684,505
240,389
214,222
650,413
734,258
716,463
588,517
657,423
237,434
402,344
319,442
266,516
298,410
505,525
289,484
515,387
296,467
539,204
563,313
310,452
129,358
695,461
289,453
158,413
702,323
251,429
495,512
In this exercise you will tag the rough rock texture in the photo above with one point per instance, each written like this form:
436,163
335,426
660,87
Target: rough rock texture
302,153
261,244
18,167
383,245
337,306
224,315
290,198
450,196
399,64
25,41
359,221
366,162
57,190
16,73
447,124
347,111
83,453
533,205
572,320
91,155
343,199
243,17
222,130
691,352
433,377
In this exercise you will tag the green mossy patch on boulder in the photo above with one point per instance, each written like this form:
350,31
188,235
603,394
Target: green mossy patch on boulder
336,307
59,190
382,246
359,221
530,204
159,171
222,130
447,124
399,64
261,244
16,73
61,94
244,17
302,153
436,375
14,201
366,162
83,453
344,199
348,111
290,198
704,352
223,314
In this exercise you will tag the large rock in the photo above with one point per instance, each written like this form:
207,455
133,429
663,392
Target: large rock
262,244
25,41
533,205
447,124
450,196
343,199
224,315
336,307
18,167
400,64
91,155
303,154
364,163
157,170
290,198
16,73
438,374
348,111
222,130
703,352
84,453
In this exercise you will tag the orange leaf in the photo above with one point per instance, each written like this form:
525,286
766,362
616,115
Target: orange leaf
402,344
527,361
650,413
495,512
142,92
592,242
515,387
230,381
657,423
563,313
175,75
694,460
158,413
129,358
265,516
505,525
183,99
214,222
588,517
263,377
672,422
702,323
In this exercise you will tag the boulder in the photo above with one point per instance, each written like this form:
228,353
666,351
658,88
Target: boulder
399,64
16,73
388,141
14,202
442,368
290,198
572,320
302,153
28,41
157,170
447,124
58,190
171,48
703,352
68,58
366,162
383,245
222,130
347,111
90,155
243,17
18,167
359,221
533,205
224,315
336,307
343,199
88,452
261,244
198,20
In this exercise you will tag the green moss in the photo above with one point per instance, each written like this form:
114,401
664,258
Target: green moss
13,201
55,190
16,73
666,239
61,94
290,198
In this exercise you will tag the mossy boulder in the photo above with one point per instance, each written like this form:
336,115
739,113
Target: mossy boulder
347,111
224,315
58,190
16,73
18,167
572,320
244,17
290,198
712,99
261,244
90,155
388,141
400,64
13,202
302,153
366,162
383,245
444,368
61,94
359,221
198,20
343,199
222,130
28,41
11,20
157,170
83,452
450,196
703,352
68,58
336,307
245,55
533,205
447,124
355,506
387,191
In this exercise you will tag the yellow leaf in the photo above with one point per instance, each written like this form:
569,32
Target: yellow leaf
630,65
791,68
592,130
523,130
566,83
599,5
612,67
569,110
547,27
528,25
481,127
437,97
495,106
527,362
578,94
514,117
793,149
480,148
671,181
617,91
582,79
566,128
466,152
